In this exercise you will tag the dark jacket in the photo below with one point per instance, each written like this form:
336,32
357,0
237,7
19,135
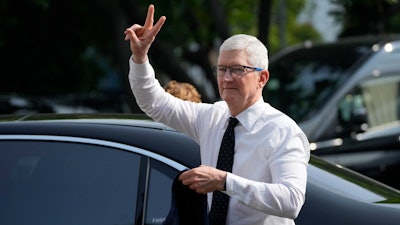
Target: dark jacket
187,206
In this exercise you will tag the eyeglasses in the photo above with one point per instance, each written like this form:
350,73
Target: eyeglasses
238,70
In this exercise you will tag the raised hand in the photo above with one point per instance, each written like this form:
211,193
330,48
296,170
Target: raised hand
141,37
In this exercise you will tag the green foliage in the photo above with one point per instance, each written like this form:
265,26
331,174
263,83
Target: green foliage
187,21
190,21
367,16
42,47
242,16
293,32
44,44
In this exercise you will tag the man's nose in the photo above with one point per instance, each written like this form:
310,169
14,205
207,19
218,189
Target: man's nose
228,74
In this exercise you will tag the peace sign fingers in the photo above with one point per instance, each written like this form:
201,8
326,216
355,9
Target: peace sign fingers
141,37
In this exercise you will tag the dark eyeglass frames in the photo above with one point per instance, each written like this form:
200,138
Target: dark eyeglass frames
238,70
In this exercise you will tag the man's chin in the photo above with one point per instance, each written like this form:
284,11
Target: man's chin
228,98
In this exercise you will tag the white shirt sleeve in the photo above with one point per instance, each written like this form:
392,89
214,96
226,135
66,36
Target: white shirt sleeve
160,105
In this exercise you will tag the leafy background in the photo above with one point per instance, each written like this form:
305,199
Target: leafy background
54,48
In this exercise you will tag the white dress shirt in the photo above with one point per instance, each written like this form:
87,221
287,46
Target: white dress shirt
268,180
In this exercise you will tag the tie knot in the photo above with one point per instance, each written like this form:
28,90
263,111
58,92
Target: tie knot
233,122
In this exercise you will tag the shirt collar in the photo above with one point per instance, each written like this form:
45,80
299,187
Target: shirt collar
248,117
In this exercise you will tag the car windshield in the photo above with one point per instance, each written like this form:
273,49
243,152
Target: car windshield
302,80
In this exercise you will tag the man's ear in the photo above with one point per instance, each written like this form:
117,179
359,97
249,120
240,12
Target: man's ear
263,78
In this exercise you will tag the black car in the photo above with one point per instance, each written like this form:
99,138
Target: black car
118,169
378,158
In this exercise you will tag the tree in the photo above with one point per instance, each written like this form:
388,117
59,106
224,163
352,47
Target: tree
52,47
360,17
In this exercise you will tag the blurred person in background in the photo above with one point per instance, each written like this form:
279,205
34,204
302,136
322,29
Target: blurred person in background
183,91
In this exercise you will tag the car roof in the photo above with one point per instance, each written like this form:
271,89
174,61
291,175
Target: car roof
108,127
346,145
354,41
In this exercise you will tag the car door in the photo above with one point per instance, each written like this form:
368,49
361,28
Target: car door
67,180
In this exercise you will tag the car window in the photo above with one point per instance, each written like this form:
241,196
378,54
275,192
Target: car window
302,81
381,98
67,183
373,103
158,204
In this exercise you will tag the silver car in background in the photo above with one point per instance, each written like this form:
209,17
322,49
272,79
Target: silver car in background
348,88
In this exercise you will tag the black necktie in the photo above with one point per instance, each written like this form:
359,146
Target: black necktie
220,201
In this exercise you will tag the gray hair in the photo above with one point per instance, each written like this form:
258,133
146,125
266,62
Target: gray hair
256,50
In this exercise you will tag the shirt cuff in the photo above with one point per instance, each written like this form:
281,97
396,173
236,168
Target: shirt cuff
228,183
139,70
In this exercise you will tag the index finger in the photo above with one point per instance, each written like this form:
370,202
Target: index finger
150,17
184,175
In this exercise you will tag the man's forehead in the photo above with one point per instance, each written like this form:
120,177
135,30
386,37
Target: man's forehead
237,57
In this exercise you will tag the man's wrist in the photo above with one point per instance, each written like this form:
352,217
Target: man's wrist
139,60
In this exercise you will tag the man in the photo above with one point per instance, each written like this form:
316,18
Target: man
267,182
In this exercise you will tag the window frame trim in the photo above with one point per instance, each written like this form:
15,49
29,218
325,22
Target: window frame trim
93,141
